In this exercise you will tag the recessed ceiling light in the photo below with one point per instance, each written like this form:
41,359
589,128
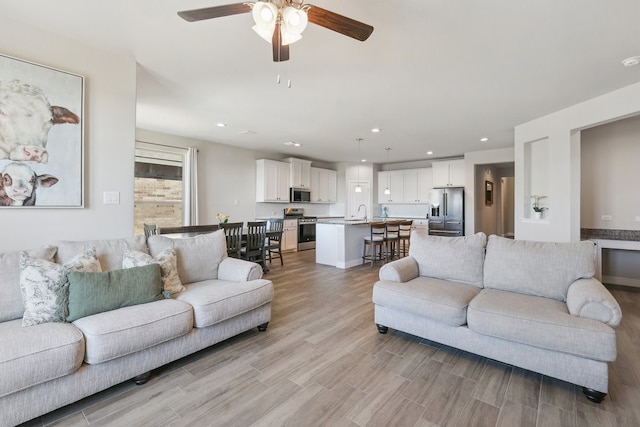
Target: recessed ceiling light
363,160
292,144
222,125
376,130
485,139
429,153
630,62
246,132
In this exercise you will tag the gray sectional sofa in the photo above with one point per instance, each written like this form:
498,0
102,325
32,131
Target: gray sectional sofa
175,297
530,304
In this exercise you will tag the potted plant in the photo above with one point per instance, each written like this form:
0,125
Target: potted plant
537,209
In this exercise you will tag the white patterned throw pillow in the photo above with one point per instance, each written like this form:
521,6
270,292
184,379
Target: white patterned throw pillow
44,286
168,262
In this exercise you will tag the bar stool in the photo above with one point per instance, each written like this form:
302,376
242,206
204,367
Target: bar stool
403,237
375,241
392,237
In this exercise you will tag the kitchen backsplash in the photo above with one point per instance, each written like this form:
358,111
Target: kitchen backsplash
405,211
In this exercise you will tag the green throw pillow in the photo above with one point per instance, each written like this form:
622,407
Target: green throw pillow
91,293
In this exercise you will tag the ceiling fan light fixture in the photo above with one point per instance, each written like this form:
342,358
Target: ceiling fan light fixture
294,20
265,14
265,33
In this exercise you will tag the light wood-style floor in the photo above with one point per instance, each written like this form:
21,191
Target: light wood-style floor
323,363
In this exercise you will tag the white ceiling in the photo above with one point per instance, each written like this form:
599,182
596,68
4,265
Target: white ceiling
434,75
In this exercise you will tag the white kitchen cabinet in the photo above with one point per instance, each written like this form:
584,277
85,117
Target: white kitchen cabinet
272,181
420,224
290,235
394,180
323,185
406,186
448,173
300,173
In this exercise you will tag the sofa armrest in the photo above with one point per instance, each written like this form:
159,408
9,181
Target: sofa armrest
589,298
238,270
401,270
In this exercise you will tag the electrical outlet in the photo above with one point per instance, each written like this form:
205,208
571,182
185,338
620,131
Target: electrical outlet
606,217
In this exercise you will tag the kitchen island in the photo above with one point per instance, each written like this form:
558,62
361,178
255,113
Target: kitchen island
339,242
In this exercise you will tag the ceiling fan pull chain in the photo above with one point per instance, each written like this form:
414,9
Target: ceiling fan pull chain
289,80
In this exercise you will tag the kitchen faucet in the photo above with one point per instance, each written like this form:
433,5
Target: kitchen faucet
362,205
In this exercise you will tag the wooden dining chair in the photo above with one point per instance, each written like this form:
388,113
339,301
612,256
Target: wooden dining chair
233,233
253,249
273,245
375,242
404,237
150,230
392,238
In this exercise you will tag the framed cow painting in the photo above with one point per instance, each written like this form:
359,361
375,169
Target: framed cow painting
41,136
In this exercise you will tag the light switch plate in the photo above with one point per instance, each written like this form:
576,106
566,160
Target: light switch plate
606,217
111,197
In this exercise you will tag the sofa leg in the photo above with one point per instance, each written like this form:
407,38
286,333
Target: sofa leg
594,395
382,329
142,378
263,327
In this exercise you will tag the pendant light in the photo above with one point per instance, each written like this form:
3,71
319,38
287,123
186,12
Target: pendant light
358,186
387,190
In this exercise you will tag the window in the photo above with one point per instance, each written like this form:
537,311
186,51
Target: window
163,186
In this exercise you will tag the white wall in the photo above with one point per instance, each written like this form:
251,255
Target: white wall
610,163
109,125
563,130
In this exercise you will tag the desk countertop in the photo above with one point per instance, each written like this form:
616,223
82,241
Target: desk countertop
606,234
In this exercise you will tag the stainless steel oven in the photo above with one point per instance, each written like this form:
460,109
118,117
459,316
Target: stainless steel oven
306,233
306,228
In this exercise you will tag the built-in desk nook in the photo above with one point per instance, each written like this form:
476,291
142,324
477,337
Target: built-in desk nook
606,240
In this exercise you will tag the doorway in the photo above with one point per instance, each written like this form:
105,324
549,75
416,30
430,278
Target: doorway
494,196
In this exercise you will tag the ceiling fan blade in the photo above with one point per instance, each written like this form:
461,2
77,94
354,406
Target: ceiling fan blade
214,12
280,52
341,24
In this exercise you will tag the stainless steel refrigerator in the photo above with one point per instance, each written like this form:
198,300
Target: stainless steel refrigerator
447,212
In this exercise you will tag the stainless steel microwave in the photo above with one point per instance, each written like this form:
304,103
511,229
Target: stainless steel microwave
300,195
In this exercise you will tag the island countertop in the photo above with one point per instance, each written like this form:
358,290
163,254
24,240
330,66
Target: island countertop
360,221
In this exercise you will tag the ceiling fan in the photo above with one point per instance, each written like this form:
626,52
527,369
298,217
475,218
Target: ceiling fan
281,22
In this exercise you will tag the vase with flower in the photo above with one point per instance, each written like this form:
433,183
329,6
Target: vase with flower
222,218
537,209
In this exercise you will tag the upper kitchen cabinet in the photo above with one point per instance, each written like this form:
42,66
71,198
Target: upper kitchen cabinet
394,181
272,181
300,173
324,185
417,185
448,173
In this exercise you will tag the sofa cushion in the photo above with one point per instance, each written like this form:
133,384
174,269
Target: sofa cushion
214,301
116,333
198,256
11,305
450,258
166,259
34,355
543,269
436,299
540,322
109,252
91,293
45,288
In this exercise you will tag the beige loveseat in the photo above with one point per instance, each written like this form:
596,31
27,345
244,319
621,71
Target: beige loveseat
530,304
203,297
